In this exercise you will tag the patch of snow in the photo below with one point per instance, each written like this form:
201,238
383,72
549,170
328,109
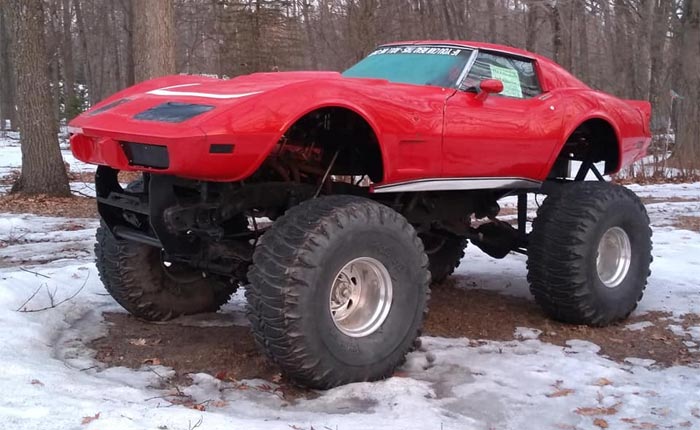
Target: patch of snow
525,333
639,326
643,362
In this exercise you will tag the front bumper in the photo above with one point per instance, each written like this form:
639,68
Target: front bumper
201,157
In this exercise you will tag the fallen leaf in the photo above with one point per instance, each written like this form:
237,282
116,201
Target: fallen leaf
603,382
600,423
221,375
612,410
628,420
219,403
561,392
138,342
37,382
152,361
88,420
199,407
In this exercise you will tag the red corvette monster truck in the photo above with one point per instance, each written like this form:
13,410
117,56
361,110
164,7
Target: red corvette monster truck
335,198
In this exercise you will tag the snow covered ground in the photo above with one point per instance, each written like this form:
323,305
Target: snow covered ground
49,378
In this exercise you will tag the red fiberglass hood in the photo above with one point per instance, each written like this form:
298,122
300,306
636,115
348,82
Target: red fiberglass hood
176,106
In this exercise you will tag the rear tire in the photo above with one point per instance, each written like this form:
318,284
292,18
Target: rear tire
445,252
305,275
589,253
135,276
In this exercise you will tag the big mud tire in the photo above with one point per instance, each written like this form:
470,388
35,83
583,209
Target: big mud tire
589,253
445,252
307,270
135,276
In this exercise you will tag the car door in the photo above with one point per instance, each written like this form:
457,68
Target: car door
506,135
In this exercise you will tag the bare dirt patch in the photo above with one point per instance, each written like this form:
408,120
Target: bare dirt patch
661,177
70,207
10,178
478,314
229,352
687,223
88,177
671,199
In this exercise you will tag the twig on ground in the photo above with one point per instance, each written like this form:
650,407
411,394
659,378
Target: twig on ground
197,424
52,295
167,382
33,272
83,194
19,309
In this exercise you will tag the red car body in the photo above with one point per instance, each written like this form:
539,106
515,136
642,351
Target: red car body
425,133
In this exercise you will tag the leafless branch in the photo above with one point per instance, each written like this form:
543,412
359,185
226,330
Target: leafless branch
52,298
34,273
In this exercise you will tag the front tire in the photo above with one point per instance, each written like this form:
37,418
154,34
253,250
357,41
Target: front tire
338,289
137,278
589,253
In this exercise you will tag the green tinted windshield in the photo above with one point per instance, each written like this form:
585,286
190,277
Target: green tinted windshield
439,66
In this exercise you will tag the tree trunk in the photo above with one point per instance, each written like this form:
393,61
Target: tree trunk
491,12
688,142
557,40
87,68
305,8
68,65
531,26
43,171
153,40
7,75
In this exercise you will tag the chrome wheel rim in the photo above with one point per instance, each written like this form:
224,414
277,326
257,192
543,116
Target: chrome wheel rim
614,257
360,298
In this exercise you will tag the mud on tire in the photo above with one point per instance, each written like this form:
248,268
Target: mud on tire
135,276
300,265
589,253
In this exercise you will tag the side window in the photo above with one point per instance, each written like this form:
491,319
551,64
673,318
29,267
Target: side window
518,76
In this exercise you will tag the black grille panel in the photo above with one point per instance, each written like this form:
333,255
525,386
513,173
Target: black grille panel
145,155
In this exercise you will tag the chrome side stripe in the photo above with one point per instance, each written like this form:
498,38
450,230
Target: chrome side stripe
447,184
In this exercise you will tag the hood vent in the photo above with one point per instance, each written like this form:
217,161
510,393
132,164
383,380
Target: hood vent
108,106
173,112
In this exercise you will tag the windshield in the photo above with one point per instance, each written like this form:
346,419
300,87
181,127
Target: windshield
438,66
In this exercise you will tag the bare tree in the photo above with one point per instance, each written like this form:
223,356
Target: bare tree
689,85
43,171
70,99
153,39
7,76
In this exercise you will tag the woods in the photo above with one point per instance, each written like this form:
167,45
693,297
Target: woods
638,49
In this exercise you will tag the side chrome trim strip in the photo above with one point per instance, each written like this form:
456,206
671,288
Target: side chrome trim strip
447,184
